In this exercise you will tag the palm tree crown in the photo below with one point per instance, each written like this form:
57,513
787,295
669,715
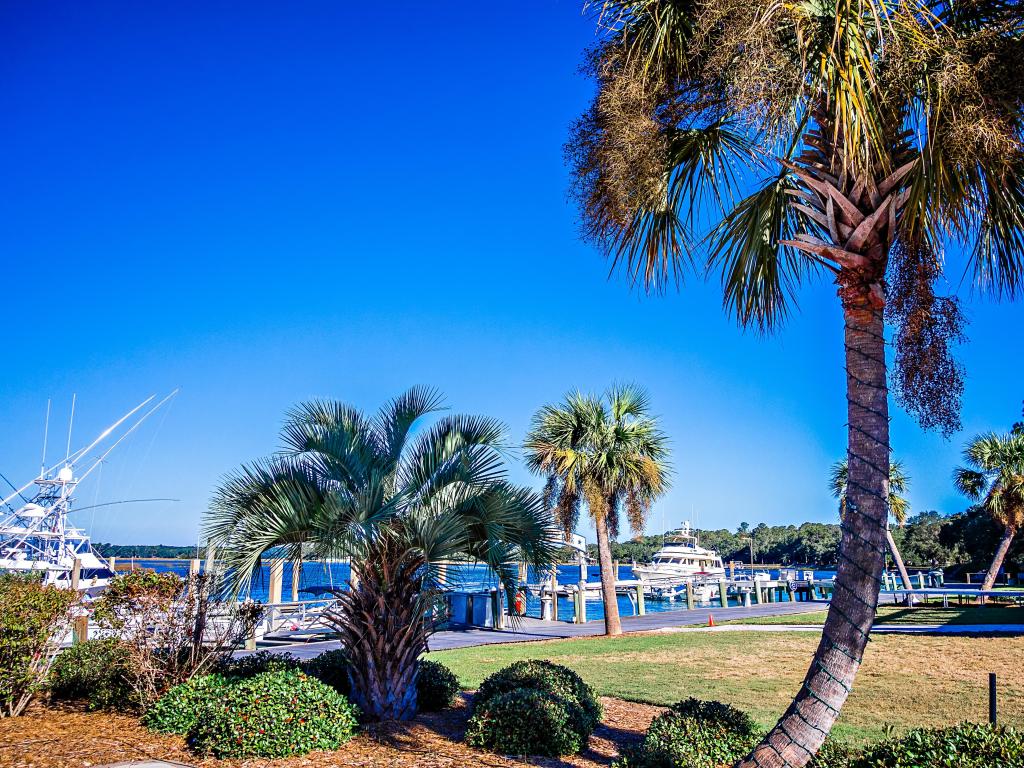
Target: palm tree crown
396,499
899,483
994,475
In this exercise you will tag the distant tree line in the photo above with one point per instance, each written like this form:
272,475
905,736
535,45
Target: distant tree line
145,550
967,539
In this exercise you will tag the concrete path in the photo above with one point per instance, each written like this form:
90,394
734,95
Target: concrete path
885,629
531,630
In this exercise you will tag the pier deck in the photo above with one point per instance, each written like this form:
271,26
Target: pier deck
531,629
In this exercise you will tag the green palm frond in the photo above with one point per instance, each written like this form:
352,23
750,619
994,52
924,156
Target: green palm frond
995,475
899,485
760,276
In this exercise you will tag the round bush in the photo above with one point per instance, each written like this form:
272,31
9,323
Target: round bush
330,667
697,734
178,710
436,686
967,745
527,721
274,714
541,675
253,664
96,671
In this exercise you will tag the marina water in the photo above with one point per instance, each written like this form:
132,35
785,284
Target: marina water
315,578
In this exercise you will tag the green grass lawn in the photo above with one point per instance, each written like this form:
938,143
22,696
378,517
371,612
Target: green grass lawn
905,680
926,614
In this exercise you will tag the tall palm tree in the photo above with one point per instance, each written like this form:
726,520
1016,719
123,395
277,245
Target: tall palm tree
854,140
395,497
608,452
899,482
995,477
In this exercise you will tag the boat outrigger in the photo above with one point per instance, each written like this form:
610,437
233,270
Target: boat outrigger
36,537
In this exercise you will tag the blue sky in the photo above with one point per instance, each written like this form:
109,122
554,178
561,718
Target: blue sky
262,203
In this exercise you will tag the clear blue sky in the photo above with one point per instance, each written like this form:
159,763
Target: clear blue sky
267,202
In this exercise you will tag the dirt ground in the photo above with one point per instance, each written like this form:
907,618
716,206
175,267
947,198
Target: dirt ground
68,737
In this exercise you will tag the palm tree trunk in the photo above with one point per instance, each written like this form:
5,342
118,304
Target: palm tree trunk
383,632
898,559
612,623
997,562
804,726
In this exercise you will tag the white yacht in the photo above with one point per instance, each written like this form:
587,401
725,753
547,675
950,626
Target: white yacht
682,559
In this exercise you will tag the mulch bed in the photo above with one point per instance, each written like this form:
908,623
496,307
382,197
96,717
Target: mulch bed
69,737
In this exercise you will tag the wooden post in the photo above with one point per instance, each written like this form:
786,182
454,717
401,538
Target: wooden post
76,573
641,608
80,629
250,641
690,601
276,579
112,562
746,599
993,716
523,573
812,589
554,595
193,567
755,593
296,576
615,570
792,591
581,603
723,593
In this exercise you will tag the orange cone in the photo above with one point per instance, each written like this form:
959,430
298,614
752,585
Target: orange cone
711,620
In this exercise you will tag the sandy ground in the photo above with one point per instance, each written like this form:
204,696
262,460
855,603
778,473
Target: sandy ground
68,737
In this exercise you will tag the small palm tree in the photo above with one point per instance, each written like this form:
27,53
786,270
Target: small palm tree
899,483
995,477
609,453
395,499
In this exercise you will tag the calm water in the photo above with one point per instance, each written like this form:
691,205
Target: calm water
314,577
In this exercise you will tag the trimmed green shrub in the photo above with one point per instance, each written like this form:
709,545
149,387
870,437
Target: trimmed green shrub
967,745
833,754
436,686
330,667
697,734
274,714
30,615
253,664
542,675
96,671
178,710
527,721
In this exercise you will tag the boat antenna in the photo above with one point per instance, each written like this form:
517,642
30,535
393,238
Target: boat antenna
71,423
46,434
102,436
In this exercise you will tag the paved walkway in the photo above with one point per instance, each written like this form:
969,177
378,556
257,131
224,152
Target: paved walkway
884,629
530,629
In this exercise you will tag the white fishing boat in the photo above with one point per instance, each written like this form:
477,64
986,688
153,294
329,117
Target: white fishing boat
681,561
35,533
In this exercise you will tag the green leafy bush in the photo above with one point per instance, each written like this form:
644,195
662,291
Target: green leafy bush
436,686
527,721
833,754
253,664
330,667
541,675
274,714
697,734
96,671
967,745
31,617
178,710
